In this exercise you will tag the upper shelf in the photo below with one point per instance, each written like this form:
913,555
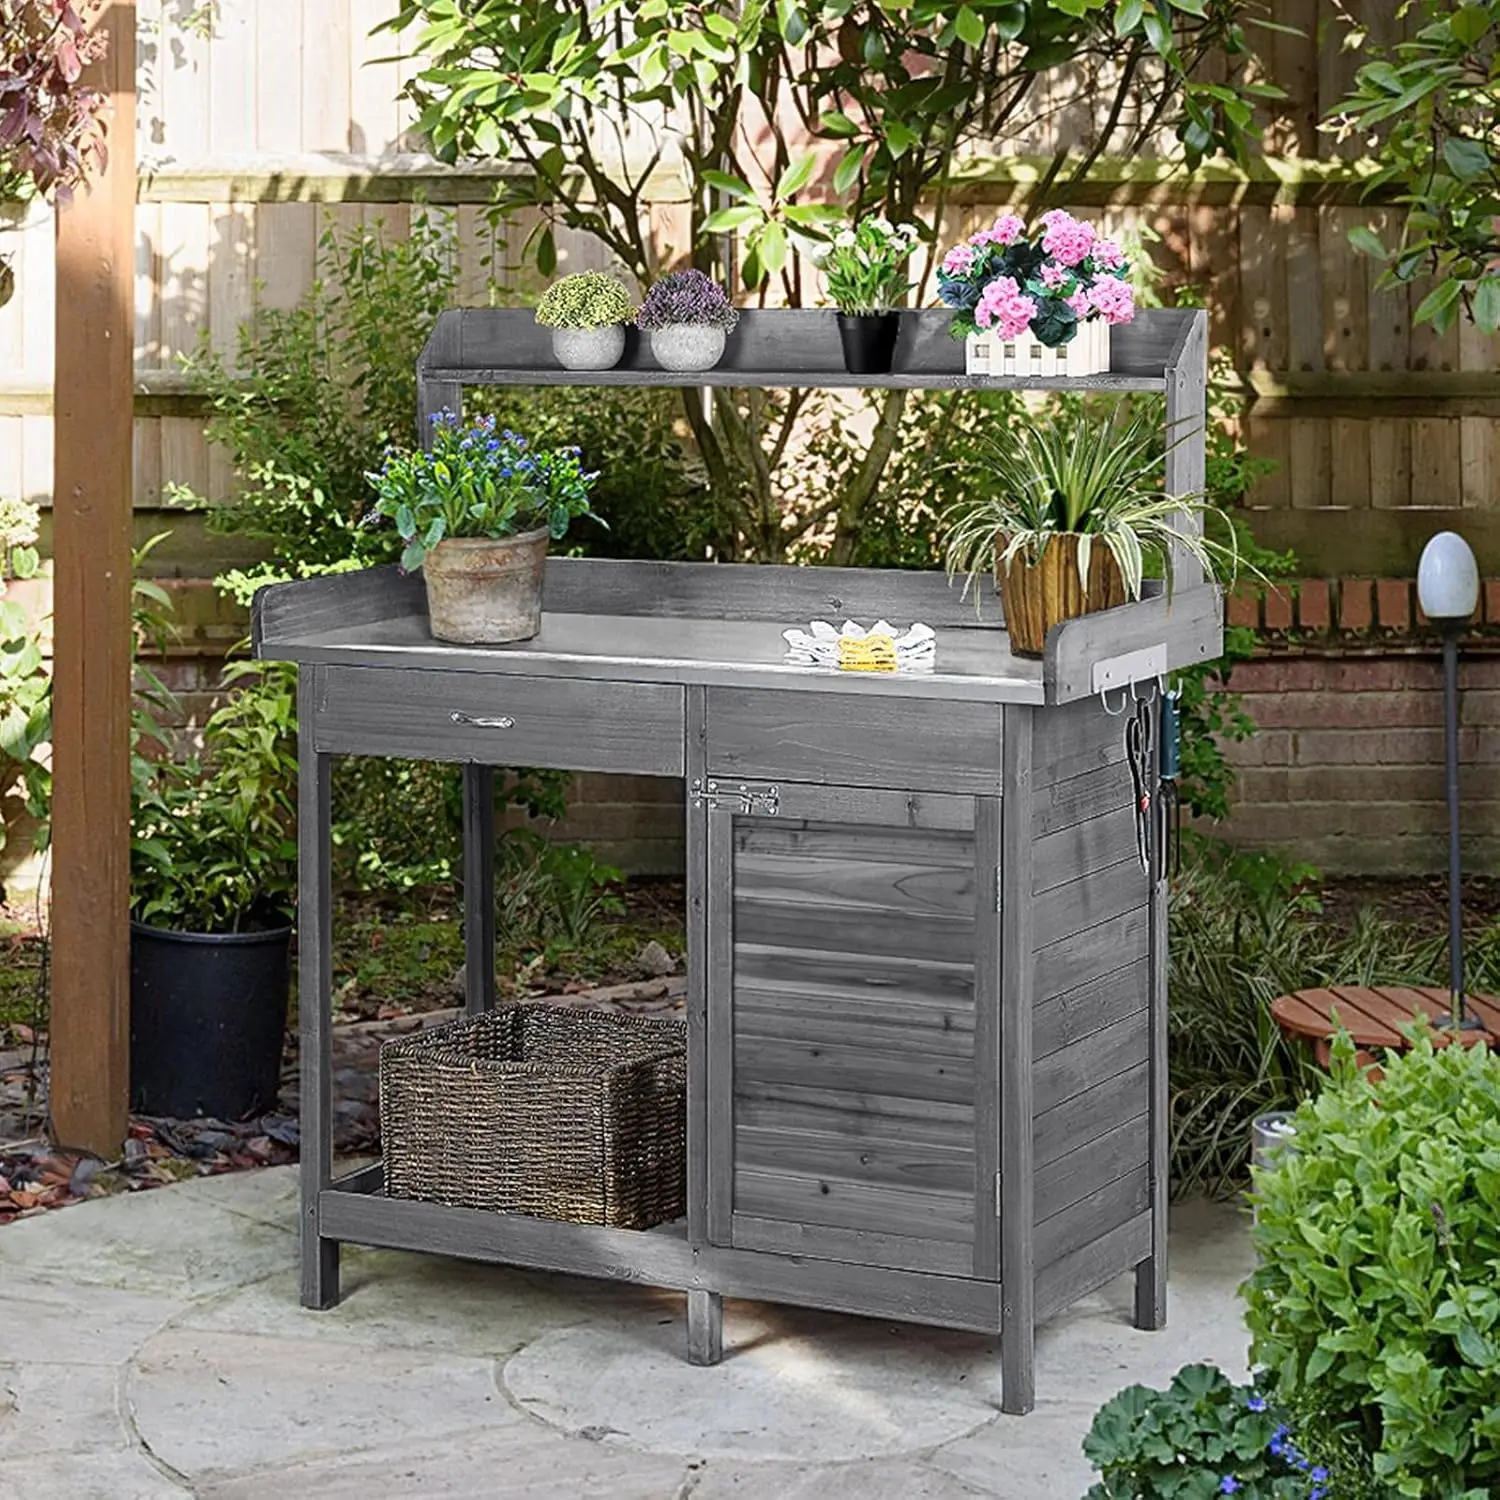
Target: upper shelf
782,347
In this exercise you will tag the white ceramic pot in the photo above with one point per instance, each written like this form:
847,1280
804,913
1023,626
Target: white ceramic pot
589,348
687,346
1086,353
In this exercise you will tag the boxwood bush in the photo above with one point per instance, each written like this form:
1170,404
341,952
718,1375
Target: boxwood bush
1376,1302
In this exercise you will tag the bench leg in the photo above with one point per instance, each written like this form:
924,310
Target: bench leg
705,1328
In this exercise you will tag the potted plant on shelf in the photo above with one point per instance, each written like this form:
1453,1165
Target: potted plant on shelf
213,871
476,511
587,314
688,316
864,269
1070,520
1039,304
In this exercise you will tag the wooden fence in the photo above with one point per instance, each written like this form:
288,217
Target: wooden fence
287,117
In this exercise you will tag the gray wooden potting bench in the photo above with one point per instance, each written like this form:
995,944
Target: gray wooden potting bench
927,993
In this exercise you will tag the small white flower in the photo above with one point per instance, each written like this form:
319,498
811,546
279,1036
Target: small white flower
910,233
882,224
844,239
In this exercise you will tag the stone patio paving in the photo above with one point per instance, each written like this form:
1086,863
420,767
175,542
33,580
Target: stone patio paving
151,1346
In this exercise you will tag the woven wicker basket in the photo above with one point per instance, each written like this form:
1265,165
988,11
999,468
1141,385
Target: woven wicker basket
541,1110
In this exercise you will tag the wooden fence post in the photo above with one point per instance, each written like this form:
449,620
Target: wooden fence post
92,540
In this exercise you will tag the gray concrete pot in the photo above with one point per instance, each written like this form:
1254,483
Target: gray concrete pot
687,346
589,348
486,590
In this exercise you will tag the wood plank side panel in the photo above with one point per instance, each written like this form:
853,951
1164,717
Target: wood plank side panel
853,1015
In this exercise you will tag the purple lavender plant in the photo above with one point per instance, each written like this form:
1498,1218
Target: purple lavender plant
687,297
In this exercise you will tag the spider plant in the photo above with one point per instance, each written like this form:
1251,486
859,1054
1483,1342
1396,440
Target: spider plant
1098,481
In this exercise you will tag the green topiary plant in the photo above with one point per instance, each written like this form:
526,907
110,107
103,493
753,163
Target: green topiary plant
1376,1302
588,300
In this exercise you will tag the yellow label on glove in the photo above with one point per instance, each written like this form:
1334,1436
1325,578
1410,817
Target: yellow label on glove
872,653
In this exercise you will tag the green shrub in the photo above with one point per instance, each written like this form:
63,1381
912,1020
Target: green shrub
589,300
1201,1438
1377,1296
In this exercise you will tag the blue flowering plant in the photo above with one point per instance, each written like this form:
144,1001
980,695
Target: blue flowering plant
1200,1438
474,481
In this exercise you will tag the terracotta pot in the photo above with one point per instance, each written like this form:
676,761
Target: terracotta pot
1038,595
486,590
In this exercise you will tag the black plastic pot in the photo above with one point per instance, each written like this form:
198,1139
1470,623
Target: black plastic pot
207,1019
869,340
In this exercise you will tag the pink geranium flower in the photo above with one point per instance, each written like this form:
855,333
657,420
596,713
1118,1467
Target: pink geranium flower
958,260
1053,277
1004,308
1113,299
1007,229
1080,304
1067,240
1107,255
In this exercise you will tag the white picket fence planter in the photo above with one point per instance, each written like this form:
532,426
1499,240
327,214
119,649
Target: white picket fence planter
1086,353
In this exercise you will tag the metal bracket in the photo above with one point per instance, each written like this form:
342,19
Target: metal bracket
1133,666
742,797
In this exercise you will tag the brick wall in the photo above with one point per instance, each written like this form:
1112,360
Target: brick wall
1347,767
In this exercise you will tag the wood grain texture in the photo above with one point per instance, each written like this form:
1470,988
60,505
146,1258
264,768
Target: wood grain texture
843,1203
853,1246
1084,1270
1093,1217
1091,1113
724,1060
320,1254
1090,1006
1151,1275
1017,1083
852,740
705,1327
1094,1165
1088,955
1062,1074
1090,899
479,889
581,726
660,1258
696,904
92,637
989,1041
785,347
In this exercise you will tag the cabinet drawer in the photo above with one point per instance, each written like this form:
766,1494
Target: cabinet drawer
570,723
855,739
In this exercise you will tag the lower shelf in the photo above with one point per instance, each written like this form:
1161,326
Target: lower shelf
355,1210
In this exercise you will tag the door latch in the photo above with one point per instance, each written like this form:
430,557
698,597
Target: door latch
741,797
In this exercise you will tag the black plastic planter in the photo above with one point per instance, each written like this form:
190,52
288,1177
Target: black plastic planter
207,1018
869,341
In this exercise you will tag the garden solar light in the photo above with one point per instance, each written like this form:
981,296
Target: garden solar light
1448,589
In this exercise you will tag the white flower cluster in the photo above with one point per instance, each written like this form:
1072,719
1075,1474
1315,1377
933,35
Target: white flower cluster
19,523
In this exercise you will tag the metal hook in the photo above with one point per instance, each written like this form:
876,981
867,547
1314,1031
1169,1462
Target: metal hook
1114,713
1149,697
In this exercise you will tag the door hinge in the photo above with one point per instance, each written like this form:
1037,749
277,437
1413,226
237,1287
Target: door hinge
999,1194
999,889
740,797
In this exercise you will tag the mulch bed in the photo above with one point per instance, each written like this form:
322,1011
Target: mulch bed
36,1177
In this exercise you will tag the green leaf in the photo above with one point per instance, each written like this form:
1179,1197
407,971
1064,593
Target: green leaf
736,216
1365,240
772,248
837,124
1487,305
1128,15
899,138
24,561
1443,298
734,186
969,27
1469,23
796,177
847,172
1466,159
546,252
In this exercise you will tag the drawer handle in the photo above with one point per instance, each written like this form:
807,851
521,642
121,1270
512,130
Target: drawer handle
481,721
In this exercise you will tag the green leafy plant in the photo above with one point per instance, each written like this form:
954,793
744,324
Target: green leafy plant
313,392
1376,1295
476,482
1201,1438
213,846
25,683
589,300
1433,101
746,100
864,268
1098,480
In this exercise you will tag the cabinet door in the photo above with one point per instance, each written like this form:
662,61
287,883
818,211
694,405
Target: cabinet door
843,934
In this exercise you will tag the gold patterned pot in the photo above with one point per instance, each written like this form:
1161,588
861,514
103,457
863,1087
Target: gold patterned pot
1037,595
